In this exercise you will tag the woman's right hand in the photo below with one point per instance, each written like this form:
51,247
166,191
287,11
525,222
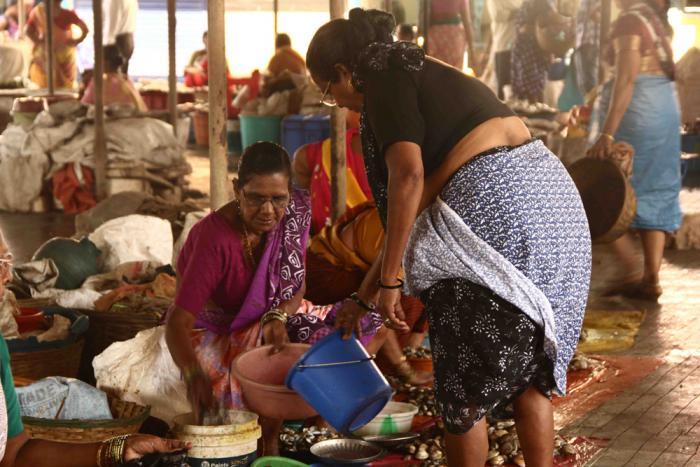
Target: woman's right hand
200,394
348,319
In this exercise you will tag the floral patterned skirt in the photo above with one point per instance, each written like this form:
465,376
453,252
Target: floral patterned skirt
486,352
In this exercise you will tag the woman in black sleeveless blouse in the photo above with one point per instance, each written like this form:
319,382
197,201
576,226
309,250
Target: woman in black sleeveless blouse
488,225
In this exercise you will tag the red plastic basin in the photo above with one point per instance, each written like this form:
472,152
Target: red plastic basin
261,376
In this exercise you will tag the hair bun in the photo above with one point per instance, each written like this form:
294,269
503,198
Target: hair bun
374,25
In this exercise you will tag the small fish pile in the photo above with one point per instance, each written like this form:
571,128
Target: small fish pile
504,446
429,448
581,362
417,352
294,440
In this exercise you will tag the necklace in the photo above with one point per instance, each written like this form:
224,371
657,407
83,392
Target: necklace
250,257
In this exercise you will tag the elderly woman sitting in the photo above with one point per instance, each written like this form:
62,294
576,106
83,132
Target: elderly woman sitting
241,282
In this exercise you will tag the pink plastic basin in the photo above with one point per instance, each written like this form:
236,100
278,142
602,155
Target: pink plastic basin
262,376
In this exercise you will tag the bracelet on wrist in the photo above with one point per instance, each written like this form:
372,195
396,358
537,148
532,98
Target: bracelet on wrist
361,303
275,314
111,451
390,287
608,135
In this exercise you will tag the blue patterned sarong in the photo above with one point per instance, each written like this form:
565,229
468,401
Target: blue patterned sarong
513,222
652,126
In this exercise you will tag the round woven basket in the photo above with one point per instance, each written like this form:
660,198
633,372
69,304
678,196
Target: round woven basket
62,361
108,327
128,418
607,196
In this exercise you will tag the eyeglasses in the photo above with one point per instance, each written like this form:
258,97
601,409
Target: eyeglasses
256,201
327,98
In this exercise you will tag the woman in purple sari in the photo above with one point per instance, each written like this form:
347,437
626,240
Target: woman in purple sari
241,279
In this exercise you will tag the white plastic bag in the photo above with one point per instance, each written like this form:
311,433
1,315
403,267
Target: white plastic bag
142,371
134,238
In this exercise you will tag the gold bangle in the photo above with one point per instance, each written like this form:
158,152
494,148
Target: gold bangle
274,314
609,136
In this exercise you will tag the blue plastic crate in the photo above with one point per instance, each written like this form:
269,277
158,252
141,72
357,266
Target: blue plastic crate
298,130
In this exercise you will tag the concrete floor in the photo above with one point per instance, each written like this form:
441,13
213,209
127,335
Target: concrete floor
657,422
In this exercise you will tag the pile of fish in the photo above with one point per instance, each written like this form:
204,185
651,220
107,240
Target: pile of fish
301,440
504,446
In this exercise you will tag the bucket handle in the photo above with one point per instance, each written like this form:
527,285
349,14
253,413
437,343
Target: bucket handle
323,365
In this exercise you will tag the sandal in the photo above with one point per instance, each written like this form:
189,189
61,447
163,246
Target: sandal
644,291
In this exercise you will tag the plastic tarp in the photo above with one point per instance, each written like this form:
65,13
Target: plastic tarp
134,238
59,398
141,370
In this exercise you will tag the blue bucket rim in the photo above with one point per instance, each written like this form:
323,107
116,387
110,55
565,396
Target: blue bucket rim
295,368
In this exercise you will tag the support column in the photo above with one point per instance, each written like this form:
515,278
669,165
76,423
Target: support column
98,77
276,10
51,64
217,103
21,18
338,155
172,74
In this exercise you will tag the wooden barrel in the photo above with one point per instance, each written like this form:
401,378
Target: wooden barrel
607,196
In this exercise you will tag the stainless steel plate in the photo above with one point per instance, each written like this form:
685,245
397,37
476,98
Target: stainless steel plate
395,439
346,451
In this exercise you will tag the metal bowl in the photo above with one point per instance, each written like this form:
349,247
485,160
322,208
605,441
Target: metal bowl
392,440
346,451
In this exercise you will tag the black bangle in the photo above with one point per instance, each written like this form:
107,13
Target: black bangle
366,306
397,286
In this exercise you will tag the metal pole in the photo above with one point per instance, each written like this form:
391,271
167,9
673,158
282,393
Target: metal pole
98,76
605,18
218,104
172,77
276,9
49,45
338,156
21,18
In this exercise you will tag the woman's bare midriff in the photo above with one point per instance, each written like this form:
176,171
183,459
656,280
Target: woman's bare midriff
497,132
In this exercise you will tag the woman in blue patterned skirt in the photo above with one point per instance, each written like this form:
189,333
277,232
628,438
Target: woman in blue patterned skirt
489,227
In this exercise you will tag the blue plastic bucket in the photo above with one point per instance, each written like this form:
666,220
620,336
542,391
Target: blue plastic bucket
256,128
340,380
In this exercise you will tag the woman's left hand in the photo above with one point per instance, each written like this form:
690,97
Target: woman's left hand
389,306
348,319
138,446
601,149
275,334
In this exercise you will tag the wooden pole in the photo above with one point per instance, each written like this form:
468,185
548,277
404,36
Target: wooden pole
21,18
338,156
217,103
276,10
48,40
172,76
98,76
605,18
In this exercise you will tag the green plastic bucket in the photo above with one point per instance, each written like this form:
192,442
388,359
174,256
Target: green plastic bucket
255,128
271,461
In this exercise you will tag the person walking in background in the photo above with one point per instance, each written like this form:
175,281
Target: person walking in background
529,63
639,106
120,26
502,15
64,44
450,32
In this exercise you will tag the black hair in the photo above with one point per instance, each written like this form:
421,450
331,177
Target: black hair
205,34
661,10
263,158
406,30
283,40
341,41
